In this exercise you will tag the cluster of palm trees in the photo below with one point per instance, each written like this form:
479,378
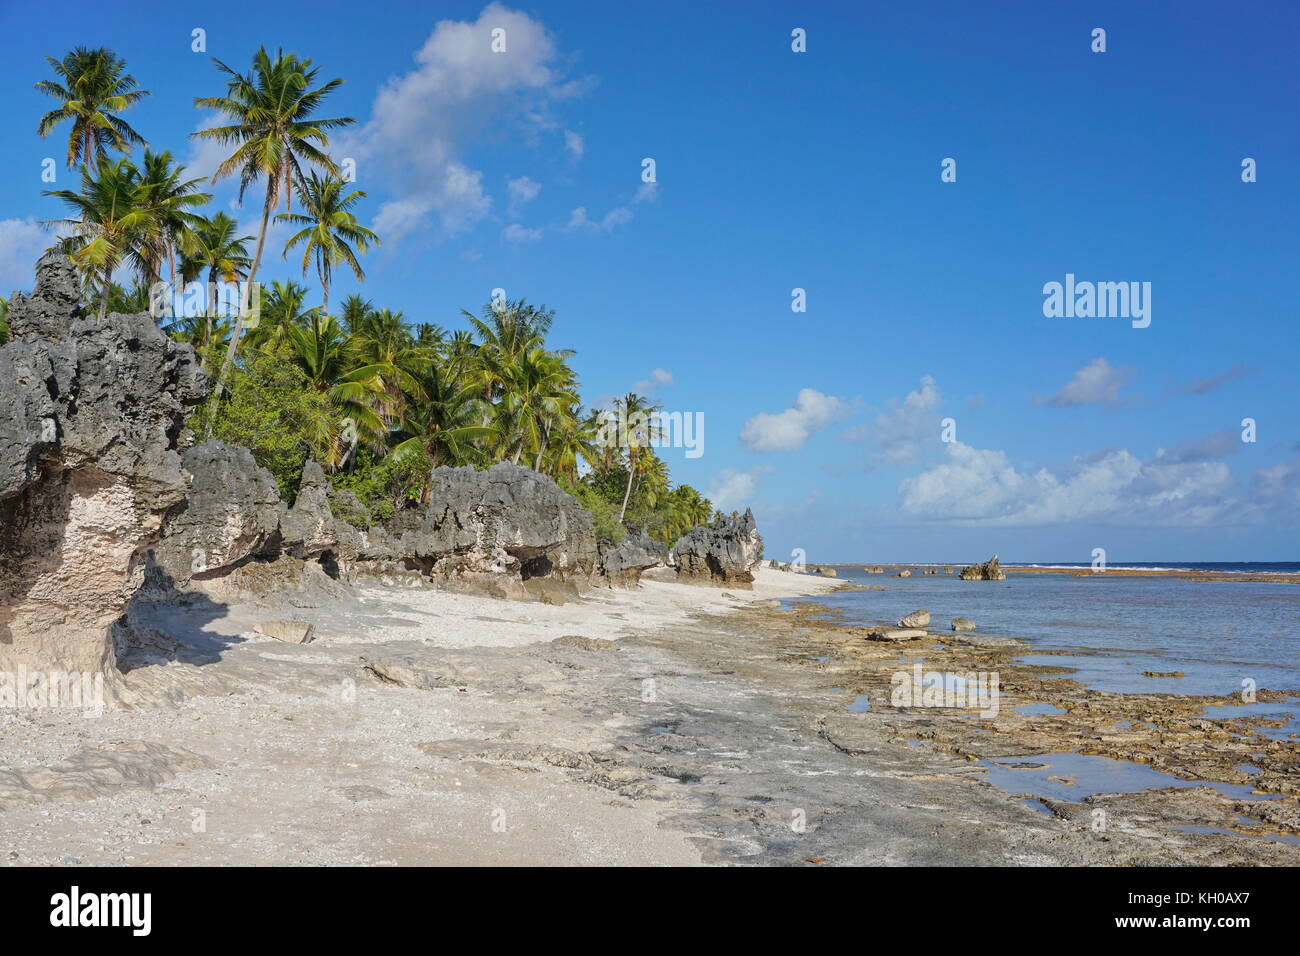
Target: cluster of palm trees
398,392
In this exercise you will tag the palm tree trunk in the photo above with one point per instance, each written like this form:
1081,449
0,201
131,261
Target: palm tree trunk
537,464
246,298
108,289
631,473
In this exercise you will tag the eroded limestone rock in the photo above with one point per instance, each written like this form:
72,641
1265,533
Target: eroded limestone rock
723,553
90,418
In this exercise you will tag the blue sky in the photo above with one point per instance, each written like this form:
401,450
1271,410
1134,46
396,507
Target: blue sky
820,170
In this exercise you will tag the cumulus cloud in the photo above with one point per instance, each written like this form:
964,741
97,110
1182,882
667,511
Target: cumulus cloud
659,378
518,235
732,489
573,142
983,486
580,221
1097,383
788,430
522,190
21,243
903,425
421,120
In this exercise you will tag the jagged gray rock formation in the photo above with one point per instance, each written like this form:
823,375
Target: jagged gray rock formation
988,571
723,553
622,562
504,524
500,532
232,511
90,417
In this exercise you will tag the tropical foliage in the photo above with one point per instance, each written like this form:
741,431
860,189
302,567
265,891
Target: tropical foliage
378,398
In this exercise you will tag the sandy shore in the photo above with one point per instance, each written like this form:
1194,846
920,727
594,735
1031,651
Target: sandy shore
670,725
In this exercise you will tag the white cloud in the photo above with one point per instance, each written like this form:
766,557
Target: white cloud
579,220
1094,384
788,430
732,489
422,120
517,235
646,192
1111,486
659,378
573,142
21,243
903,425
522,190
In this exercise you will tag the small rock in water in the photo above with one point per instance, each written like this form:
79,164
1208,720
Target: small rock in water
916,619
904,574
1162,673
962,624
896,634
291,632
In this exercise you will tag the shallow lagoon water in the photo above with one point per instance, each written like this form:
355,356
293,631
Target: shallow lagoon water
1217,633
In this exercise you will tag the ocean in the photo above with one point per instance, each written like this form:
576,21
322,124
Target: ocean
1218,633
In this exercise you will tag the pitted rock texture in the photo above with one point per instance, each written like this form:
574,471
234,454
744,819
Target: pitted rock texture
233,511
90,418
988,571
725,552
621,563
507,520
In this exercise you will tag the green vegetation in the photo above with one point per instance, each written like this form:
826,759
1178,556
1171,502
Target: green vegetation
378,399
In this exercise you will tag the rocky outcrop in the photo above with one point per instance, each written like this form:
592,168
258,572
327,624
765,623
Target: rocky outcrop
960,624
725,552
506,532
233,512
507,523
90,421
622,562
916,619
988,571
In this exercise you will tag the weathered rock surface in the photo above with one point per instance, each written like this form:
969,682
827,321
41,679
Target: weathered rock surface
988,571
291,632
827,571
89,426
916,619
723,553
232,512
309,528
622,563
896,634
962,624
507,521
904,574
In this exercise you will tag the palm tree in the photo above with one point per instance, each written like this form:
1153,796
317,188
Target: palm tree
169,199
93,90
354,311
270,109
217,249
328,228
443,418
114,219
283,306
636,430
